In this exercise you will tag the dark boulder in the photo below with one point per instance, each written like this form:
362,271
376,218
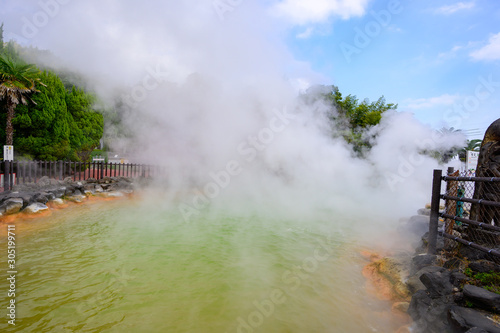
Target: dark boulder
437,283
414,284
420,261
463,319
476,330
458,278
429,313
58,192
484,266
482,298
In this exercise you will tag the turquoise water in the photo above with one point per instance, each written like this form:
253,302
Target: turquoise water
129,266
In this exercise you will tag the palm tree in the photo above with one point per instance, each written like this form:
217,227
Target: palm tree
473,145
17,82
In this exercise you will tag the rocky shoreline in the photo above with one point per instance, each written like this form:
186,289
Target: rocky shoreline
442,298
37,198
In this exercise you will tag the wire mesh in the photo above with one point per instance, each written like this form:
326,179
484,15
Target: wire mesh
483,209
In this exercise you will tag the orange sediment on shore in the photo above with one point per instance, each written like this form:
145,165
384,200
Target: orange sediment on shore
384,281
53,206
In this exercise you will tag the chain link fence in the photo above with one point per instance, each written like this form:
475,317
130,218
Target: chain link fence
470,215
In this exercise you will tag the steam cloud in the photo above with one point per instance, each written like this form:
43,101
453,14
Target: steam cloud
216,101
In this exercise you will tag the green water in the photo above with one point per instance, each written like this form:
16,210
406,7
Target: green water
127,266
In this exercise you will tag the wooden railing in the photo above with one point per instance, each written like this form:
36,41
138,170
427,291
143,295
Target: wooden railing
22,172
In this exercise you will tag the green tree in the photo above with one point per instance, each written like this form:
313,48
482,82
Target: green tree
472,145
44,127
351,119
87,126
17,82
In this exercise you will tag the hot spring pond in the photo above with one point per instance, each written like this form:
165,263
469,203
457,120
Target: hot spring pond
129,266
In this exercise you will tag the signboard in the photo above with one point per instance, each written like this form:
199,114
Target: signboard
8,153
471,161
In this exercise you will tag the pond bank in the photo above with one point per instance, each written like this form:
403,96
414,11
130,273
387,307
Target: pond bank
448,292
33,200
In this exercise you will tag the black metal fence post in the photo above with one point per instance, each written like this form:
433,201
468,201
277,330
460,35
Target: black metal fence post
6,178
434,218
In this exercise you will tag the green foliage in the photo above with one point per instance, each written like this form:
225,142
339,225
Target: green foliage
88,126
489,281
61,125
351,118
472,145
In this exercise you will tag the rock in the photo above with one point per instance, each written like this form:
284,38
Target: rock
484,266
482,298
458,279
471,253
27,197
116,194
110,194
76,198
464,319
418,224
414,283
437,283
91,180
419,304
11,206
385,274
476,330
424,211
106,180
401,306
44,181
70,189
421,261
58,192
429,313
48,190
57,201
34,208
44,197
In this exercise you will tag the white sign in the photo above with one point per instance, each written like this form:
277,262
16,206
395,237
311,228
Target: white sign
8,153
471,162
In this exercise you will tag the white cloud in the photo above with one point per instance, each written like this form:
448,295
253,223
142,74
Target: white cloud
425,103
451,53
306,34
450,9
491,51
318,11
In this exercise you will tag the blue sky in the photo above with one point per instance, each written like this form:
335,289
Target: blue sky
427,56
439,60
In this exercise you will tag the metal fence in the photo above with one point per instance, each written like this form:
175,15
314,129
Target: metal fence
23,172
470,214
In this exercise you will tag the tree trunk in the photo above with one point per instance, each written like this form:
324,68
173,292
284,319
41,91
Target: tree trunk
9,129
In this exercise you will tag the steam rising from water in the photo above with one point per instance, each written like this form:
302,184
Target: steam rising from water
216,101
